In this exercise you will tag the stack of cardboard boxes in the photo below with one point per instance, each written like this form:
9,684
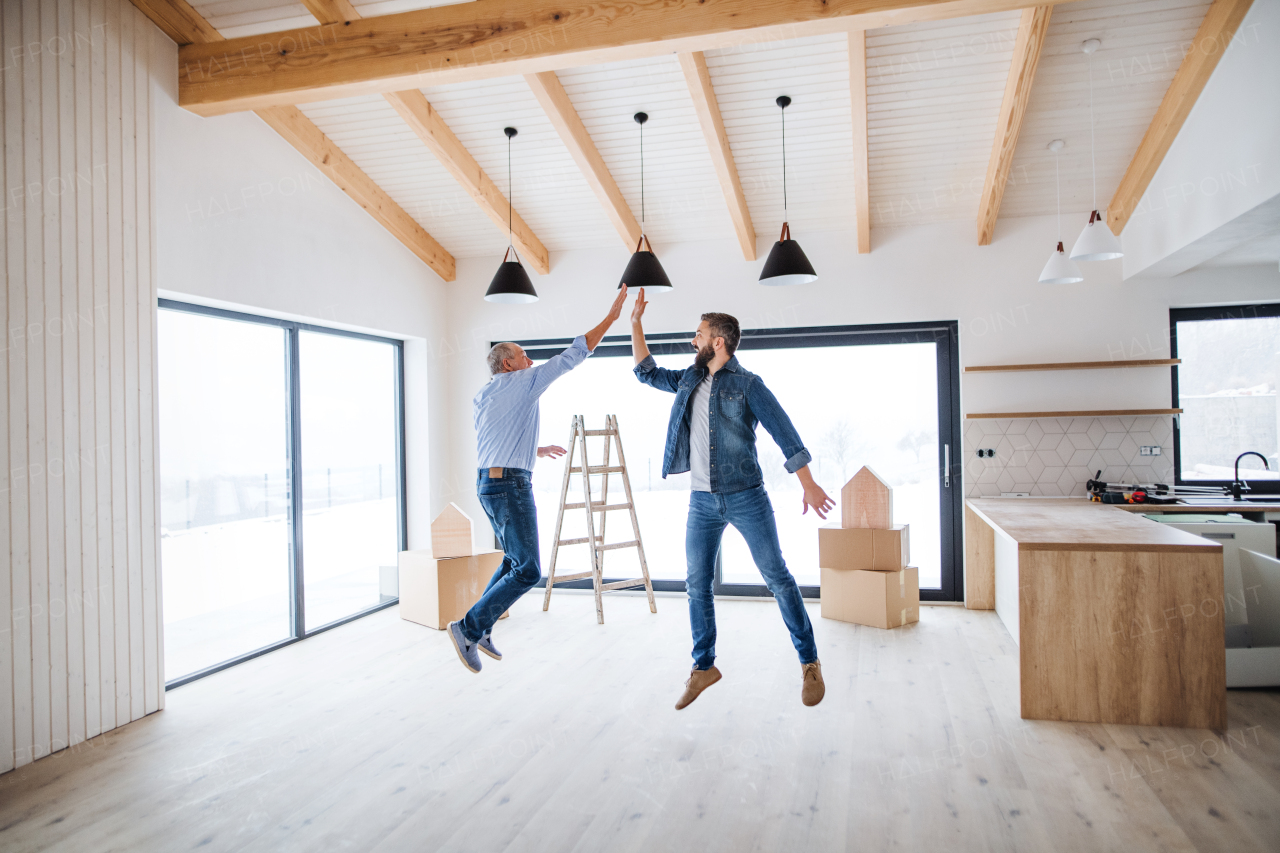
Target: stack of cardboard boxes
439,586
865,576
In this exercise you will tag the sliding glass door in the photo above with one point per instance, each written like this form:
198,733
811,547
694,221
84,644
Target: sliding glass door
883,396
349,474
224,485
281,482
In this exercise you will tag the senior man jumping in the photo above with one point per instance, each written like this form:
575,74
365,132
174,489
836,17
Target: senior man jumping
506,419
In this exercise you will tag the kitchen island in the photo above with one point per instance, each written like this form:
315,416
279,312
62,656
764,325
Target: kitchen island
1118,619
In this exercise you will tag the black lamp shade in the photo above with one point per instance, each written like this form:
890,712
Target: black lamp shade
787,264
511,284
644,270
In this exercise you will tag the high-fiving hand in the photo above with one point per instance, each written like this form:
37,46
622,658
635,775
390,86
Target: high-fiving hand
615,311
637,310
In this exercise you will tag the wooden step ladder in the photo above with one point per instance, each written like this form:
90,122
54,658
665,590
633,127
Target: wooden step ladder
578,439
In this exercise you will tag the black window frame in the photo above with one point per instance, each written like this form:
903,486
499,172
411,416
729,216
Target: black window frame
945,334
1257,310
293,401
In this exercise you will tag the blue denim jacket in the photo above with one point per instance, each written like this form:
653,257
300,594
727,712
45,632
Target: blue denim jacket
739,399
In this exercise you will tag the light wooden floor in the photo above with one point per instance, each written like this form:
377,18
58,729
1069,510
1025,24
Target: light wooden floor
373,737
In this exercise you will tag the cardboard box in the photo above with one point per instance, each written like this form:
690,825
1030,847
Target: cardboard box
866,549
435,592
878,599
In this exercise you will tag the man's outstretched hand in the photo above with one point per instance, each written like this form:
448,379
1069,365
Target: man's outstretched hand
551,451
637,310
815,497
615,311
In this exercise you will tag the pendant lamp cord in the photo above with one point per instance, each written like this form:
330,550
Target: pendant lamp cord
785,217
1093,145
1057,176
510,197
642,178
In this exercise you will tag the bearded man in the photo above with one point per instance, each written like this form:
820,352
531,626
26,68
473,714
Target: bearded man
712,434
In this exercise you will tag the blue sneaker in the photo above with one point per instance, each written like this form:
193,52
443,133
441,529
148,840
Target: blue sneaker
466,651
486,645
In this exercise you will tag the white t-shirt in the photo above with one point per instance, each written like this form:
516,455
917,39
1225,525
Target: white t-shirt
700,436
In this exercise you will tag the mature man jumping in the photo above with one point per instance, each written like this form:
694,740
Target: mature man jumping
712,434
506,419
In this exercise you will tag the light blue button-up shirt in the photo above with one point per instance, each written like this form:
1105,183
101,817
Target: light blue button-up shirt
506,410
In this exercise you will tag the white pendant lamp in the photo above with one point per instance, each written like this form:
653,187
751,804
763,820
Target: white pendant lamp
1060,269
1096,242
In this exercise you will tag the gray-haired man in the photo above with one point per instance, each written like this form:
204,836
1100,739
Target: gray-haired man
506,419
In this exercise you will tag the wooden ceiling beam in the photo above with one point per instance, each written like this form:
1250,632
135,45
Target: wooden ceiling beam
434,132
564,118
300,132
861,160
332,11
185,25
698,77
495,38
418,113
1201,58
179,21
1032,30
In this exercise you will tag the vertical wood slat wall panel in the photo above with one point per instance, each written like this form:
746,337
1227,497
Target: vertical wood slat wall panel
102,375
82,651
6,591
33,707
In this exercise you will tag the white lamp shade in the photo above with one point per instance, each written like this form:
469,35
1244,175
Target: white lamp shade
1096,242
1060,269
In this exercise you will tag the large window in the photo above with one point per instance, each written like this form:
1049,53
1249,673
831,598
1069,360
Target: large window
281,482
1226,387
882,396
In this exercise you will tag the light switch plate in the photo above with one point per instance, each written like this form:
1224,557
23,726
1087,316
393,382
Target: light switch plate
1149,450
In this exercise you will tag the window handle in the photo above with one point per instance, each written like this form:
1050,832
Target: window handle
946,466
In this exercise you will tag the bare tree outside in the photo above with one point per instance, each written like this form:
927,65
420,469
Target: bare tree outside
914,442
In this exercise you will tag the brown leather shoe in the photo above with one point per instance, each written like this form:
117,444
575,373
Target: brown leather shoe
813,690
699,680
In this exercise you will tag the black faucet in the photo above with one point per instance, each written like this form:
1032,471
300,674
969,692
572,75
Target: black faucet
1238,486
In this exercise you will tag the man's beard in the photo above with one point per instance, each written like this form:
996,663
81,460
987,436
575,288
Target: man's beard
703,358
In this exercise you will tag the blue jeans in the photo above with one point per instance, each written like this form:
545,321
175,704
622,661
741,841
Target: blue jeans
514,516
751,513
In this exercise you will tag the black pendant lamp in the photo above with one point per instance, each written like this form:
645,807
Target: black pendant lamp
511,283
644,270
786,263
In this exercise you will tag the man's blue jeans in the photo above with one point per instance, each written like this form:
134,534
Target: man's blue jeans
751,513
509,504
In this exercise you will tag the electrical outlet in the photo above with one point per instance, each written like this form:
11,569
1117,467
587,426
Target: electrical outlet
1149,450
986,453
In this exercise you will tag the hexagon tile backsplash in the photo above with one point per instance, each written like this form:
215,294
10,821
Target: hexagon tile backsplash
1055,456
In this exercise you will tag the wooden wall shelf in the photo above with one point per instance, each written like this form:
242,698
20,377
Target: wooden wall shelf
1097,413
1075,365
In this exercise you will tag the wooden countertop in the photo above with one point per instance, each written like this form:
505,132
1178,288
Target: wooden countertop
1075,524
1204,506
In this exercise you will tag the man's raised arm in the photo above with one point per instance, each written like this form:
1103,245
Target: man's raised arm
548,372
646,370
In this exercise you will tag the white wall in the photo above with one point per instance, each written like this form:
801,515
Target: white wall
245,222
1219,184
82,650
925,273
